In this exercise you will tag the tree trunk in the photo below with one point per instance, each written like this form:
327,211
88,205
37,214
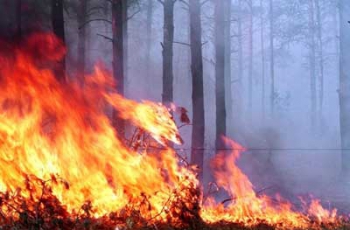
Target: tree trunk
272,59
118,58
344,81
321,62
18,18
57,20
228,89
312,65
262,41
197,86
168,40
240,42
81,41
237,96
149,22
250,60
220,73
125,44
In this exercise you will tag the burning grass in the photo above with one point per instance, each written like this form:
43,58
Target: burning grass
64,167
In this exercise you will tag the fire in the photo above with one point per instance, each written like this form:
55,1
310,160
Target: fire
59,134
247,207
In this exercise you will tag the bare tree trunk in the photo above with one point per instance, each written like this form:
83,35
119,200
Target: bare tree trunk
220,73
344,84
81,41
250,60
262,41
57,20
312,66
168,40
236,122
321,61
125,44
118,58
335,21
228,89
18,18
149,22
240,42
336,38
197,86
272,59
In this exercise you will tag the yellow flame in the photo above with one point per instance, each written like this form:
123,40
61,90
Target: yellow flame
52,130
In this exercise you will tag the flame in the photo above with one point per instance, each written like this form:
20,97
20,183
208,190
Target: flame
55,131
51,129
249,208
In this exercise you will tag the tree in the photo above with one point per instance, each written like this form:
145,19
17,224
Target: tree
197,85
18,18
81,40
125,40
262,41
344,83
149,21
272,58
57,20
118,58
312,62
250,58
220,73
320,59
237,96
240,42
228,80
168,41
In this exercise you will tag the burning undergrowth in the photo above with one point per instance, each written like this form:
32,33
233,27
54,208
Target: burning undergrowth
63,166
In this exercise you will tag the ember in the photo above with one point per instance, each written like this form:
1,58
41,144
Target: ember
63,166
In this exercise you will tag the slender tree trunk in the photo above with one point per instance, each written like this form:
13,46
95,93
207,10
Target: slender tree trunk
336,36
250,58
81,41
240,42
197,85
168,40
149,22
125,44
335,21
312,64
228,88
344,84
262,41
57,20
118,58
220,73
18,18
237,121
272,59
321,61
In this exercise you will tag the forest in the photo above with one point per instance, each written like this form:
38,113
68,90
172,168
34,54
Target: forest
174,114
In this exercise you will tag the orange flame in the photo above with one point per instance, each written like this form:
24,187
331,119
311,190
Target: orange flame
246,206
52,130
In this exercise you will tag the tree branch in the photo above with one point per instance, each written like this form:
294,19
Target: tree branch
132,15
92,20
203,43
210,61
161,2
186,3
105,37
181,43
95,8
204,2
